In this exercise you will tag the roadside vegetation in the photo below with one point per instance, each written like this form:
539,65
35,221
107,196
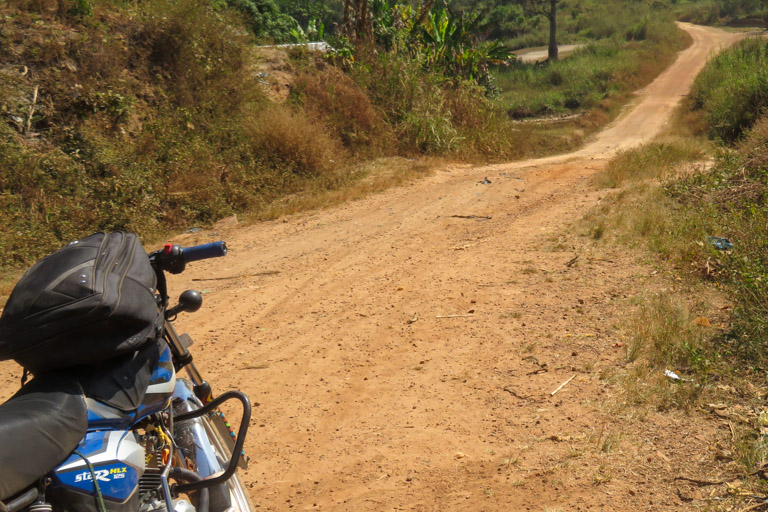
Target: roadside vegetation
707,221
744,13
152,116
596,76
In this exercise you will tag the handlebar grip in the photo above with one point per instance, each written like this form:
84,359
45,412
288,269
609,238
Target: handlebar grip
202,252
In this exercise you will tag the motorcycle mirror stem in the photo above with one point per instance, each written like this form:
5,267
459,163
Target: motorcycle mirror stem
189,302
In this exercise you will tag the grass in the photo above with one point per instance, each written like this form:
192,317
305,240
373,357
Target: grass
662,203
359,181
712,12
149,118
603,69
156,123
605,441
640,211
584,21
732,90
655,161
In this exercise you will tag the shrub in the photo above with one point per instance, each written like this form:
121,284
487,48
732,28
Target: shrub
265,20
754,148
166,127
702,13
332,98
733,89
293,144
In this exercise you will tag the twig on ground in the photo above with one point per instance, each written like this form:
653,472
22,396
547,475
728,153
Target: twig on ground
572,261
754,507
543,367
561,386
478,217
514,394
455,316
701,483
265,273
31,110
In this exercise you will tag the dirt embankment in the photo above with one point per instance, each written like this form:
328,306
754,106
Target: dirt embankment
404,348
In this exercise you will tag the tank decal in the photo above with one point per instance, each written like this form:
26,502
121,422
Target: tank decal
97,447
117,460
116,481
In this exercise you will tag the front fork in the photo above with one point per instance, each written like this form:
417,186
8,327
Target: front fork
193,395
182,358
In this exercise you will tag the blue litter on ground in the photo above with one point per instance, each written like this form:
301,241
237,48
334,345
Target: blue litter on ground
721,244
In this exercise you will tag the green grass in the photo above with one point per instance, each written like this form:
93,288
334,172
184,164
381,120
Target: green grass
713,12
149,118
587,21
733,89
654,161
672,211
608,66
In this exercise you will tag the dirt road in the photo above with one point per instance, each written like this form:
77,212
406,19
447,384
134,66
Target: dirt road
541,53
404,357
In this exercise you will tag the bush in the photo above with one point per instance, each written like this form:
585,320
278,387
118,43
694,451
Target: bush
149,118
733,89
701,13
265,20
293,145
332,98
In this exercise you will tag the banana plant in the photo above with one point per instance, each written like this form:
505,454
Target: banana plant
436,35
449,42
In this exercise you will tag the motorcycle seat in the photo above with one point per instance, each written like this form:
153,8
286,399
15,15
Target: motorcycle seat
39,427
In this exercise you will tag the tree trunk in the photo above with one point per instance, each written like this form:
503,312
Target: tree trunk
364,25
346,26
552,50
357,20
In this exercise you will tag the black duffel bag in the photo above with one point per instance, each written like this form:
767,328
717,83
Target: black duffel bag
87,302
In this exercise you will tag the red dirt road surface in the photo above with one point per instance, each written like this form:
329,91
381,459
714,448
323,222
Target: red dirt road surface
404,356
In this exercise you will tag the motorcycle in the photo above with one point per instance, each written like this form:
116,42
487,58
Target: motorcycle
126,433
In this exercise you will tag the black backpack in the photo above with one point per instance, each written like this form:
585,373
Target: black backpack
86,303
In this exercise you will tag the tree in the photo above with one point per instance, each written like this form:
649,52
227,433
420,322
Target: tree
548,9
305,12
265,20
357,20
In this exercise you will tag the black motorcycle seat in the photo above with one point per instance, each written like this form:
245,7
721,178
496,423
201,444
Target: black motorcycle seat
39,427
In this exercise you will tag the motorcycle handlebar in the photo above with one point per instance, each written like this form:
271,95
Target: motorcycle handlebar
205,251
174,258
